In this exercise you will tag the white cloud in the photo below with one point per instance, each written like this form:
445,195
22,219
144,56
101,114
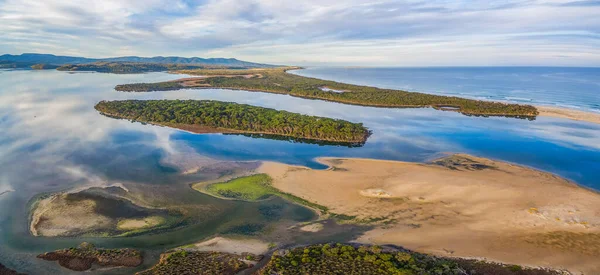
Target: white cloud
556,32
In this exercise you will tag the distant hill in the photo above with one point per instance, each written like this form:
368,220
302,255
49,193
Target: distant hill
50,59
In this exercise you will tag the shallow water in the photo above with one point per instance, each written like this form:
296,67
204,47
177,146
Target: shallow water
53,140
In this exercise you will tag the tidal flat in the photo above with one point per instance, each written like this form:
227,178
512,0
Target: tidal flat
458,205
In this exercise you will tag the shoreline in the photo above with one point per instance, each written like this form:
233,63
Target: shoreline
202,129
567,113
544,111
458,206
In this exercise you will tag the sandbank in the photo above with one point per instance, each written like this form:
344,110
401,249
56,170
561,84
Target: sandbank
569,114
230,245
460,206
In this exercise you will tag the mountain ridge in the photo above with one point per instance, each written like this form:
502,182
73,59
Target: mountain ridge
52,59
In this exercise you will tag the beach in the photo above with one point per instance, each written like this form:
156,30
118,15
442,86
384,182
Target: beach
569,114
461,206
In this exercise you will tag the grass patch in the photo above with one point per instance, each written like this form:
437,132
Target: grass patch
250,188
255,188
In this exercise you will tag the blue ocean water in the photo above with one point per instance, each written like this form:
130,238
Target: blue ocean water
576,88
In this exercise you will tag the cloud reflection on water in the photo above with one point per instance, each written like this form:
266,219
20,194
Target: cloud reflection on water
49,125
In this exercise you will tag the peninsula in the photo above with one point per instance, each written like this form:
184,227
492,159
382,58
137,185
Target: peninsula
277,80
206,116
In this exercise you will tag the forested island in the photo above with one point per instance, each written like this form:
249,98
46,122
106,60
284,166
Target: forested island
277,80
224,117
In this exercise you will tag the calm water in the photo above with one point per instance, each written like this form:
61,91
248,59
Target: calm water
576,88
52,139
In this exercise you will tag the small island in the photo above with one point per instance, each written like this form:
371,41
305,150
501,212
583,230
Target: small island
82,258
277,80
206,116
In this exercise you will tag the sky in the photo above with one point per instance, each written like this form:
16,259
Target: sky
312,32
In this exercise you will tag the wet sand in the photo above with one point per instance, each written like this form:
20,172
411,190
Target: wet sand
460,206
569,114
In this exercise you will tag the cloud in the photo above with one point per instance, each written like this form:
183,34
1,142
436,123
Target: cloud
345,32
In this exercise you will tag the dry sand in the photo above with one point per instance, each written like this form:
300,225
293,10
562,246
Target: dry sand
461,206
229,245
569,114
147,222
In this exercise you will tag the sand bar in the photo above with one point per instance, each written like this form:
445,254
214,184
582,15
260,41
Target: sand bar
460,206
569,114
230,245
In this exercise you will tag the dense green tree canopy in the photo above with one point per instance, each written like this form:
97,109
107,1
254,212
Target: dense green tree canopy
236,117
278,81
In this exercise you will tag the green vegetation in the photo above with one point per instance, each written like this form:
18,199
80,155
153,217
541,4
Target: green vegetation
133,67
150,87
348,259
250,188
43,67
81,258
278,81
253,188
232,117
192,262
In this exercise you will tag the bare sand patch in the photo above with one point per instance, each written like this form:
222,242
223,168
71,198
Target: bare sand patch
569,114
147,222
459,205
230,245
375,193
313,227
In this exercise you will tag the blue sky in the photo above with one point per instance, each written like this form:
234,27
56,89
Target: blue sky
313,32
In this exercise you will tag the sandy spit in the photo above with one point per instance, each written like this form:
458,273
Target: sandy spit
569,114
459,205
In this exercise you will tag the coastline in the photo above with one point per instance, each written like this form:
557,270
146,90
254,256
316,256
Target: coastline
566,113
458,206
545,111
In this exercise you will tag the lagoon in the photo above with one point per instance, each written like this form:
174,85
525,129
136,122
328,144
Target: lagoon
53,140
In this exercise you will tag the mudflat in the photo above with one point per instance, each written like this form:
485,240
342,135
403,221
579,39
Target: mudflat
460,205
